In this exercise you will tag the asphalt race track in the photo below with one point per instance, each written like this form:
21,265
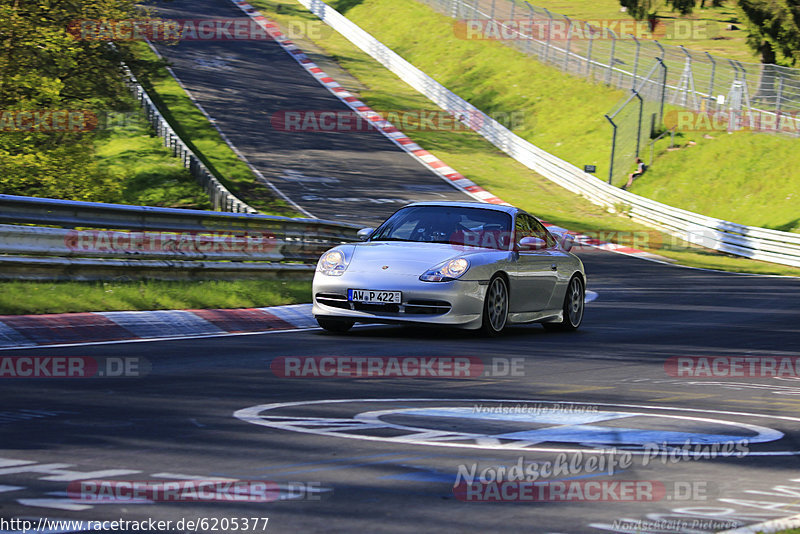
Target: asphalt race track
357,176
350,454
178,420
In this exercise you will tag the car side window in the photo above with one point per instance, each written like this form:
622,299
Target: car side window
527,226
541,232
521,228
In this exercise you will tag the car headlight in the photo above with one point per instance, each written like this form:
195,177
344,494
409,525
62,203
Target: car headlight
332,263
444,272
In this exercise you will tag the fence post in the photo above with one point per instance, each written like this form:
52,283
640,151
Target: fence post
713,74
639,128
778,97
589,50
475,9
569,43
513,9
613,149
635,60
746,95
611,57
734,98
660,47
491,15
530,17
549,33
663,88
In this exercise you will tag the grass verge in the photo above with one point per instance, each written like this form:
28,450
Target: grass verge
147,172
469,153
24,297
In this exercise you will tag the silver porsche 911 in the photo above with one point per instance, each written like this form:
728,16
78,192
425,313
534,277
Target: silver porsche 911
463,264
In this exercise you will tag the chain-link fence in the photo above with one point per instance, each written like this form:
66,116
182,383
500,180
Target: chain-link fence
728,93
695,79
635,122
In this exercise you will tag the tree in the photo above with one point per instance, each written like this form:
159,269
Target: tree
43,67
648,9
773,26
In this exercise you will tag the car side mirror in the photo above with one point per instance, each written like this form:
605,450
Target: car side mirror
364,233
532,243
565,241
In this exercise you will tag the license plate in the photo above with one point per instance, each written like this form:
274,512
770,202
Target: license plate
374,296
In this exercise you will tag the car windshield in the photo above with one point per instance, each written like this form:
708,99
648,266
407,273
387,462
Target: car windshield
448,224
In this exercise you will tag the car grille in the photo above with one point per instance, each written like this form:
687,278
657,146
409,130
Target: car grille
335,301
427,307
412,307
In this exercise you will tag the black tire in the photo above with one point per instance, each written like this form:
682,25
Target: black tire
495,307
339,326
572,311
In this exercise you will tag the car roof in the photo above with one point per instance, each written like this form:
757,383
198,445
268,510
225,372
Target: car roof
481,205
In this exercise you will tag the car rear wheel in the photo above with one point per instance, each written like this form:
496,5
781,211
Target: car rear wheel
495,307
572,310
335,325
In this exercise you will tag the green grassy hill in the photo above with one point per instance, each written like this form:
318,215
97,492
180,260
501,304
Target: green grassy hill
744,177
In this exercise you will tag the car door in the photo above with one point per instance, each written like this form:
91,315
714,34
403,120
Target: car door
536,271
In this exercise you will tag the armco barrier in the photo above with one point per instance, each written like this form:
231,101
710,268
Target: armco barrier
748,241
93,241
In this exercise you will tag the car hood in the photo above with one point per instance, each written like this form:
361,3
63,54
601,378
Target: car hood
405,257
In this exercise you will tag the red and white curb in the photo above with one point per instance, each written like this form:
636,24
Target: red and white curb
22,331
400,139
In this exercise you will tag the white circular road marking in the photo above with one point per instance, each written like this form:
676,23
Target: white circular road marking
436,422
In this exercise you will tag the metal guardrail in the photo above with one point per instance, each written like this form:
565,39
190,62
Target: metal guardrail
92,241
747,241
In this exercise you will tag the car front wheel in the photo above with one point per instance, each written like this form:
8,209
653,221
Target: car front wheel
495,307
335,325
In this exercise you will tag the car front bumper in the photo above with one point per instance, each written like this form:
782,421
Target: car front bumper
422,302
